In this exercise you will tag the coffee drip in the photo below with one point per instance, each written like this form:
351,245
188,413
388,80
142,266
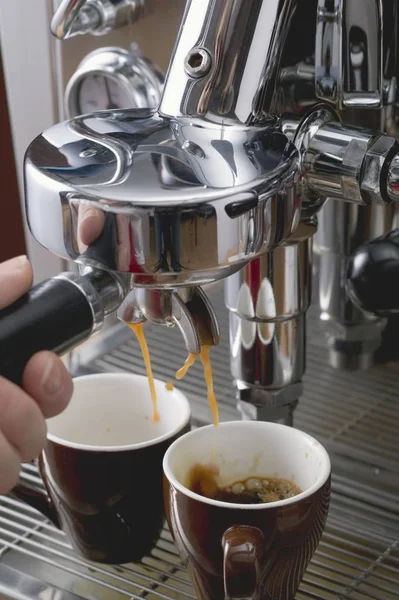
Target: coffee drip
138,330
204,356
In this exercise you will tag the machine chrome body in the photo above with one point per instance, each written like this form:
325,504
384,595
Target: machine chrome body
352,335
188,309
244,41
97,17
103,290
360,81
178,205
226,178
268,301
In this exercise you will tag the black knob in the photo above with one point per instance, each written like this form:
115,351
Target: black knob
372,276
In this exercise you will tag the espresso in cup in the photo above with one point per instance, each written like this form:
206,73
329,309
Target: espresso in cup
102,466
253,490
236,549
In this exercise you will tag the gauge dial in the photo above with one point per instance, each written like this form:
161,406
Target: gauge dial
100,91
113,78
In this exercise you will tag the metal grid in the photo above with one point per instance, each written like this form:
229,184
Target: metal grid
355,415
358,558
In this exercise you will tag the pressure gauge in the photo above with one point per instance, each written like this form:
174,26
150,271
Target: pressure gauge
112,78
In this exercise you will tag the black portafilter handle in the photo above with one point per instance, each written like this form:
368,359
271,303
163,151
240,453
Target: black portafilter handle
55,315
372,276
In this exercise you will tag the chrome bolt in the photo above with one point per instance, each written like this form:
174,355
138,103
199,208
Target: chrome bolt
197,63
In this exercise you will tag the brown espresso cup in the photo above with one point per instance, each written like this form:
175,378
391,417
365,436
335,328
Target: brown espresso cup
247,551
102,466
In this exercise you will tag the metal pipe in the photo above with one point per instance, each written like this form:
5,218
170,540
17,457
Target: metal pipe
97,17
226,60
352,336
268,300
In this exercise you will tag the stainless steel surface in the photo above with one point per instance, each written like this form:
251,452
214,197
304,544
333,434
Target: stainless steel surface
275,287
190,311
356,66
103,291
97,17
349,53
112,78
268,300
75,17
354,415
167,215
191,193
344,162
267,355
232,91
352,335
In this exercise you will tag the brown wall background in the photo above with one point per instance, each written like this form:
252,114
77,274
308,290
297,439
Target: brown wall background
12,239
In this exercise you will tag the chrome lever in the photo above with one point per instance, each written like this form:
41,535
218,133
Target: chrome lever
328,52
75,17
349,53
97,17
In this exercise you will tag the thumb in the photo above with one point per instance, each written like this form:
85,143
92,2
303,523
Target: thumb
15,279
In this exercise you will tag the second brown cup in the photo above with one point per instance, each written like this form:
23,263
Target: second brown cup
247,551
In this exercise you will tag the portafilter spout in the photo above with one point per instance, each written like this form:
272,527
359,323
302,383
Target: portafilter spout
188,309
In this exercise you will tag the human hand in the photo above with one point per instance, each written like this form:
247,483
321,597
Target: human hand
46,389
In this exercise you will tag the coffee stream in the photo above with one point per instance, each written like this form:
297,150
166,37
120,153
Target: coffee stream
203,479
138,330
190,360
204,356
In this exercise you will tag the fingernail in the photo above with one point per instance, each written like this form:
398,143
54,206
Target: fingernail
14,264
52,378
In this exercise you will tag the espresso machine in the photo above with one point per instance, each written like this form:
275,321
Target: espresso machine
246,200
243,151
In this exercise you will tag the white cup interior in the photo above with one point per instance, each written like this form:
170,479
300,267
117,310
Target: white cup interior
243,449
114,411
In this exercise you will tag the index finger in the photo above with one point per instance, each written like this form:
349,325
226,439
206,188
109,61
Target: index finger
15,279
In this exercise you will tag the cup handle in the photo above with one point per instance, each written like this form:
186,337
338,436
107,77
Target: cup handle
242,553
38,499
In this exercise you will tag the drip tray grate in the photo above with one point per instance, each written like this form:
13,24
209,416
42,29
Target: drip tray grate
355,415
357,559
